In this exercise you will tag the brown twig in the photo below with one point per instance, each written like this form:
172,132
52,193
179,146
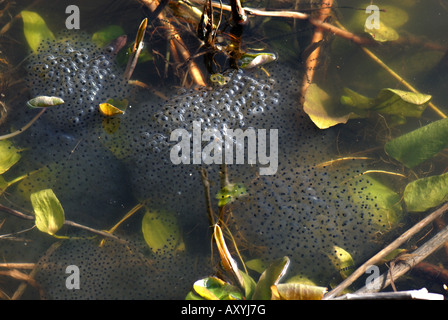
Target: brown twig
404,265
318,36
384,252
176,43
208,202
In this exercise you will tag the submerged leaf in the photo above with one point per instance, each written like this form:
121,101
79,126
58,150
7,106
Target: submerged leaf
106,35
322,110
342,261
48,211
271,276
161,231
419,145
426,193
35,29
383,34
297,291
388,210
9,155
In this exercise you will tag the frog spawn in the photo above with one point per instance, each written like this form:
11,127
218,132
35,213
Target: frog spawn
76,70
300,212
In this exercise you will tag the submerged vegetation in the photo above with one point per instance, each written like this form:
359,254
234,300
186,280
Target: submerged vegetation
97,152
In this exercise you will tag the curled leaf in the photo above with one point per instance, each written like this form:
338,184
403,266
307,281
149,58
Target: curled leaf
271,276
48,211
297,291
113,107
213,288
44,102
252,60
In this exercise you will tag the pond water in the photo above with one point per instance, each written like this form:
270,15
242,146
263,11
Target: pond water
293,199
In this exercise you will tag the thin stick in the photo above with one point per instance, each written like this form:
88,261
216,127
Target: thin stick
384,252
405,265
208,202
66,222
395,75
15,133
20,265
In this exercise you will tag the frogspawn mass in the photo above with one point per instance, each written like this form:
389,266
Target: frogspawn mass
303,210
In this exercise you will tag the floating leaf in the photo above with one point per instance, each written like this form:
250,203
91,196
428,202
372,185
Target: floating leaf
419,145
161,232
113,107
213,288
252,60
227,260
48,211
297,291
44,102
271,276
35,29
106,35
9,155
426,193
342,261
230,193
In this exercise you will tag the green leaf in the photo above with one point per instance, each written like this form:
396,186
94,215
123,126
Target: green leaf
213,288
48,211
419,145
297,291
230,193
324,111
402,103
342,261
106,35
9,155
386,211
426,193
257,265
391,102
161,232
35,29
271,276
6,184
383,34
